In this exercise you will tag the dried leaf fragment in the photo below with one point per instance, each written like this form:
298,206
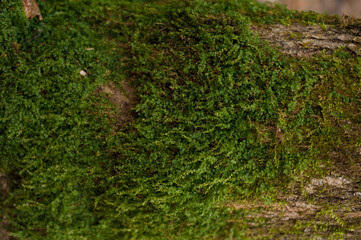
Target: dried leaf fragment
83,73
31,9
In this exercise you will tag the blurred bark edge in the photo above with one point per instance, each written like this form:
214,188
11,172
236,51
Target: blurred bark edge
31,9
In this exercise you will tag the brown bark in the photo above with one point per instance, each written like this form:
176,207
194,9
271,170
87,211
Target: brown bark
303,41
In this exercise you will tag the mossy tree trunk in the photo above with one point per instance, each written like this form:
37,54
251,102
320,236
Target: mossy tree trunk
221,115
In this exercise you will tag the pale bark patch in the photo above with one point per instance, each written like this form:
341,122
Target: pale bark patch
122,98
301,40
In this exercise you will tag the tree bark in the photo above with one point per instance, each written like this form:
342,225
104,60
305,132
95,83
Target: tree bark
305,40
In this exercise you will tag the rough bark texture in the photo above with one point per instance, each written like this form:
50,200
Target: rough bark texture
341,188
302,41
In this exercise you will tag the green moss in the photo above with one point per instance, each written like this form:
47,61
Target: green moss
221,116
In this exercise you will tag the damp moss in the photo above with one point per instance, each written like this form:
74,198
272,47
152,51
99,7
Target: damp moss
222,116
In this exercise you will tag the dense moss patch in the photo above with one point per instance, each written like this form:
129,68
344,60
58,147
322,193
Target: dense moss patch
221,116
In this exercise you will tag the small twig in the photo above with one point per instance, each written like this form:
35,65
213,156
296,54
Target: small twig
40,31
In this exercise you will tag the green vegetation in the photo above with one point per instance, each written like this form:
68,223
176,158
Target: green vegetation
221,116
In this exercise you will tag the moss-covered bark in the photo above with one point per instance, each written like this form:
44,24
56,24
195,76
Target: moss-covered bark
223,118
